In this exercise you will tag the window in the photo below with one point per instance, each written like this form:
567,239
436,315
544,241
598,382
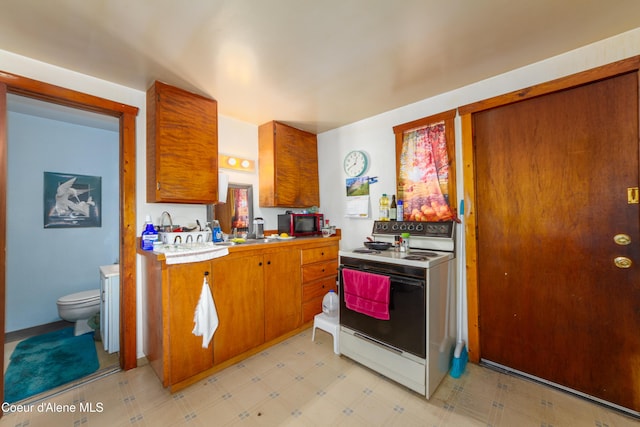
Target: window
425,168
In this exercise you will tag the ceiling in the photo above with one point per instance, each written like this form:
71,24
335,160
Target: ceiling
315,65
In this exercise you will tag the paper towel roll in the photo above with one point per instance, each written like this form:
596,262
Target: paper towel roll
223,186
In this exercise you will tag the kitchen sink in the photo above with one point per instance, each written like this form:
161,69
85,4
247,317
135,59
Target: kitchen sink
189,252
184,237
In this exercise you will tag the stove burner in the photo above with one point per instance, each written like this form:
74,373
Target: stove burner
422,256
366,251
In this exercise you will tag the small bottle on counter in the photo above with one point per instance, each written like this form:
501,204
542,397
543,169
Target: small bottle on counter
149,235
400,211
393,209
216,231
405,242
384,208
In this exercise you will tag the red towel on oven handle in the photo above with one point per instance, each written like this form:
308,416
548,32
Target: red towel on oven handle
367,293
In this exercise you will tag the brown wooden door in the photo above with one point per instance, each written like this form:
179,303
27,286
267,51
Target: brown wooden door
552,178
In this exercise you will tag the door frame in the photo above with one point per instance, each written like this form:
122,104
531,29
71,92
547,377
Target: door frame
469,175
14,84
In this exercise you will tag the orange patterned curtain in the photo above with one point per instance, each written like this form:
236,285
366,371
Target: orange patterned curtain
424,174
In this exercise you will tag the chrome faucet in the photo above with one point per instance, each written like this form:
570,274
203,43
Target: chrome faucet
164,227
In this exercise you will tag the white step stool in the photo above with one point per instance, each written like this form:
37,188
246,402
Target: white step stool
327,324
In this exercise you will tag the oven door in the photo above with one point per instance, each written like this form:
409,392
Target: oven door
405,329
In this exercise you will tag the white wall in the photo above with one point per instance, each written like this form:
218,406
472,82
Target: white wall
373,134
45,264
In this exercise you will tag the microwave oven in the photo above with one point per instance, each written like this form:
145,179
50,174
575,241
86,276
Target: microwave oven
301,224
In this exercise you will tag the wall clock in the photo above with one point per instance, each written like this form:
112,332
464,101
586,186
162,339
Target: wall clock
355,163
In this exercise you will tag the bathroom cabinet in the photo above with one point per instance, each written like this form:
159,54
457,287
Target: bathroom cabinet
182,146
288,159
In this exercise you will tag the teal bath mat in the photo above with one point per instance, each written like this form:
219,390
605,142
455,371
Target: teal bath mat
47,361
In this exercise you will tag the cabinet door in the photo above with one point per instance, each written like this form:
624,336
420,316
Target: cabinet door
186,355
238,292
282,294
288,166
182,146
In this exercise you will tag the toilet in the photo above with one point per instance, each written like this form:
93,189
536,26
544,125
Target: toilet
79,308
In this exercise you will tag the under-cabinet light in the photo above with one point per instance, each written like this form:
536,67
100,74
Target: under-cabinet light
226,161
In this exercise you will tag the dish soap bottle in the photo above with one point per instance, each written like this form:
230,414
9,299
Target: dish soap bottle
149,235
216,231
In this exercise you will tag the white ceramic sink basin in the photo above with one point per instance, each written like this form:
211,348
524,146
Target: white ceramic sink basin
190,252
184,237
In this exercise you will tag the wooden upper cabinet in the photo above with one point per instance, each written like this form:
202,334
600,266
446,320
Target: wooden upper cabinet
182,146
288,160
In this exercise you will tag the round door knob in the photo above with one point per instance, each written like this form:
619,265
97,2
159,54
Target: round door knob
622,262
622,239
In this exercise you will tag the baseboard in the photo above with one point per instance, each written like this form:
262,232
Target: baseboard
36,330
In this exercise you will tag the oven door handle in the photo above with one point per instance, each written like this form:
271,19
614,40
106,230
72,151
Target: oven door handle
394,278
405,281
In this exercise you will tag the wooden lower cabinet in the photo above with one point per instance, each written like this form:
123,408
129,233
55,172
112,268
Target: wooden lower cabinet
171,296
257,298
281,292
238,293
319,271
186,355
261,293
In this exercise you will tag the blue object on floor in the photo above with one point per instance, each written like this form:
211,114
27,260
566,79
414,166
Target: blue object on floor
460,358
47,361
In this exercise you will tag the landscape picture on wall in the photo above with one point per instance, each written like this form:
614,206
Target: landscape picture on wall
72,200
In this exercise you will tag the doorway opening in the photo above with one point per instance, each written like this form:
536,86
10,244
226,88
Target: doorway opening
80,215
126,116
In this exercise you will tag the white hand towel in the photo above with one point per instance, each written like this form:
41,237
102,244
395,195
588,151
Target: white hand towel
205,316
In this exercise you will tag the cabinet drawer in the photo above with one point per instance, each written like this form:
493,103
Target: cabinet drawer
318,289
318,270
319,254
310,309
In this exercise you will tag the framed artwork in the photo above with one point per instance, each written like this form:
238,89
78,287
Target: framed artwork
72,200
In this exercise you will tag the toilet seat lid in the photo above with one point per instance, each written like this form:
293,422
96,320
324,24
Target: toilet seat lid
84,296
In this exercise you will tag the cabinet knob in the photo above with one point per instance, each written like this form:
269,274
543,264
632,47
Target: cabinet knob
268,262
260,264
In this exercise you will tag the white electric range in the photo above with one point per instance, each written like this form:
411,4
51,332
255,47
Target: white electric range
414,346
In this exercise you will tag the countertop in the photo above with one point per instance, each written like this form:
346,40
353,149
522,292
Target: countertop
252,245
